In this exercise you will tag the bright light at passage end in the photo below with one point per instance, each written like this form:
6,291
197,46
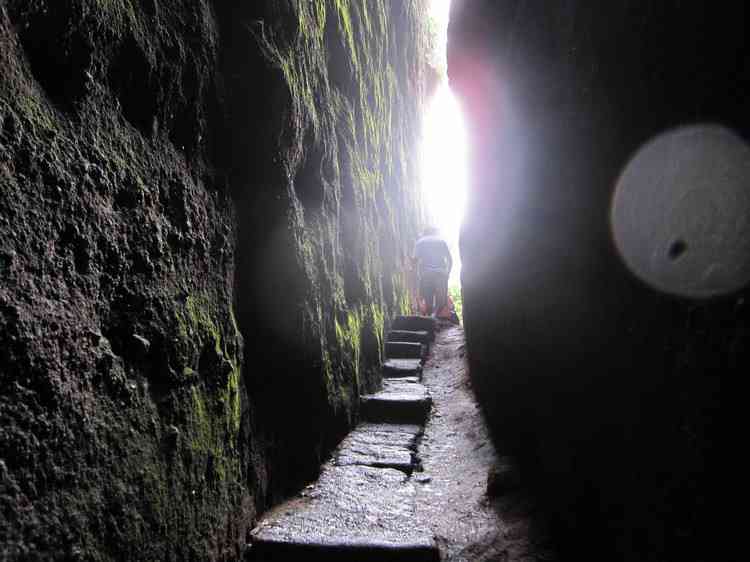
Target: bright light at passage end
444,173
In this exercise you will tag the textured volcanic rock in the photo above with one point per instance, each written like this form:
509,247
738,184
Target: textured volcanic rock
204,211
323,126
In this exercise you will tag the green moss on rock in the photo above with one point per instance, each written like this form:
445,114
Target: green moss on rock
116,214
139,397
353,73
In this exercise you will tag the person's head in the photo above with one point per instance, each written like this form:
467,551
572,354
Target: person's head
430,231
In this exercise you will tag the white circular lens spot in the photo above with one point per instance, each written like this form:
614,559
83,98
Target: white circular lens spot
681,212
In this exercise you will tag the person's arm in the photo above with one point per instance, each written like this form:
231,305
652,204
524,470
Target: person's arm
448,257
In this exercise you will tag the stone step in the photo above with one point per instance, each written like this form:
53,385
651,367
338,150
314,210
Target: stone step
405,350
415,324
400,401
381,446
351,513
418,336
396,368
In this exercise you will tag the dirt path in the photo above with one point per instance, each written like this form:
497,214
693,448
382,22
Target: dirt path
457,456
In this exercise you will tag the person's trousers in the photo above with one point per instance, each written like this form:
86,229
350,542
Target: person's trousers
433,288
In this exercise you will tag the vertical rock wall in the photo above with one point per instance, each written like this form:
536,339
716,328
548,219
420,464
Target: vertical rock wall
609,392
324,130
174,176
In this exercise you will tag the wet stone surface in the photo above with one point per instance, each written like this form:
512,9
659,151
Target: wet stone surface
402,368
415,323
380,445
359,511
418,336
405,350
400,401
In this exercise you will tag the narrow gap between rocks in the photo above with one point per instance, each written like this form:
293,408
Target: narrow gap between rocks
418,478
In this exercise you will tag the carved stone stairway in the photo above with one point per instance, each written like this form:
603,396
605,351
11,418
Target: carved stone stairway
363,505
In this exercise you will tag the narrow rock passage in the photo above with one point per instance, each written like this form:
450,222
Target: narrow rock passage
410,482
457,456
363,505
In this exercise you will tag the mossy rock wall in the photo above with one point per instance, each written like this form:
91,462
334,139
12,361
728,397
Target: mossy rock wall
325,175
204,214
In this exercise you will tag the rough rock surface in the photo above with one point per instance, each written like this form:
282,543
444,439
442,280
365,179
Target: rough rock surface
123,410
405,350
328,204
402,368
369,513
402,400
457,458
415,323
176,175
384,445
421,336
611,394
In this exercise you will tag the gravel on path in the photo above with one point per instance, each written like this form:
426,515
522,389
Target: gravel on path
457,457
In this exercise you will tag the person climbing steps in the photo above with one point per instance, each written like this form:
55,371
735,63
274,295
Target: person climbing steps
433,261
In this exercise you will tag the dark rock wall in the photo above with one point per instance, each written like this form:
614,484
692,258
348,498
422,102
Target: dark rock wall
323,131
607,391
177,178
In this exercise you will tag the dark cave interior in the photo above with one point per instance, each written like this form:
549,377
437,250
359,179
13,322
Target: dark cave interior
206,215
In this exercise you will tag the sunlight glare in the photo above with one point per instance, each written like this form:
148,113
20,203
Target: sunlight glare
443,155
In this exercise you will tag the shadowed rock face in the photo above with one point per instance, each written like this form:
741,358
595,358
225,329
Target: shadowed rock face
123,411
204,210
324,122
606,389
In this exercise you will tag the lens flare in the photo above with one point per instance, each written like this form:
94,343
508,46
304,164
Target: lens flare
680,212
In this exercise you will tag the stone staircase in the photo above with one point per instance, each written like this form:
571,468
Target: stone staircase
363,505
